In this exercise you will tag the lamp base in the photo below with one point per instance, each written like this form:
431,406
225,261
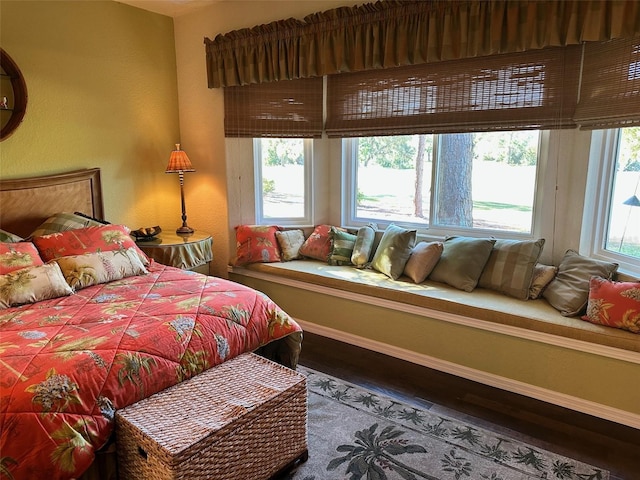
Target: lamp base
184,230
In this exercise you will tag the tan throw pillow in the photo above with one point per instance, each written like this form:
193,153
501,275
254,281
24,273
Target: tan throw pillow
33,284
290,242
393,251
424,257
81,271
364,245
462,261
542,276
510,267
569,291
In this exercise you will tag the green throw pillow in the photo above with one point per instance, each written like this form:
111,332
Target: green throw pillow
568,292
462,261
341,247
393,251
509,269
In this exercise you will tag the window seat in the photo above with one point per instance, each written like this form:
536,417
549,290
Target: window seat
481,304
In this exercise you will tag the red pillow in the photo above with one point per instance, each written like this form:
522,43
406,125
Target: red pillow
14,256
318,244
257,243
103,238
614,304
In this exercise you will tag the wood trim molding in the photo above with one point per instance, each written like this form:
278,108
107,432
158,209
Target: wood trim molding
527,334
543,394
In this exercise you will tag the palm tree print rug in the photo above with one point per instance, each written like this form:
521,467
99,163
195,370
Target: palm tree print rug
356,434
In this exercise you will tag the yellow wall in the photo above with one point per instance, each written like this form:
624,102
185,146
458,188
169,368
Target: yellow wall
202,108
102,86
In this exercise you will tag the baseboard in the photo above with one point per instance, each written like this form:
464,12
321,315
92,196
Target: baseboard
545,395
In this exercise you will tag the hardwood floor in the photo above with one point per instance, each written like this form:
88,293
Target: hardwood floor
601,443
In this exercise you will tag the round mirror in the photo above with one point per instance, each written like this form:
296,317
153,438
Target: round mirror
13,95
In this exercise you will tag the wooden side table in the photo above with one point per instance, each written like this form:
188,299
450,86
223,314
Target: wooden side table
189,252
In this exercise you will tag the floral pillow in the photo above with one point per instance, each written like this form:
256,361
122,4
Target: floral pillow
14,256
290,242
81,271
33,284
257,243
318,244
614,304
103,238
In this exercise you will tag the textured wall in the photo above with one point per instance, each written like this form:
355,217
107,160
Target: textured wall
101,80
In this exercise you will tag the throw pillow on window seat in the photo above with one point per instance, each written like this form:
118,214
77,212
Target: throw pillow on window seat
8,237
568,292
509,269
542,276
614,304
256,244
462,261
423,259
393,251
363,247
318,244
290,242
342,244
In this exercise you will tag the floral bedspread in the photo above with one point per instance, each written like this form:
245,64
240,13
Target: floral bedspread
67,364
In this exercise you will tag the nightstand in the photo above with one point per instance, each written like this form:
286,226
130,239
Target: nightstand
189,252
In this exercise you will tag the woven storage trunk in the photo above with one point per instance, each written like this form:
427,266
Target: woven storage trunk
245,419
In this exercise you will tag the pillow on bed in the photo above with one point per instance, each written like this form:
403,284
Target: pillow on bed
256,243
81,271
14,256
8,237
614,304
105,238
63,221
290,242
32,284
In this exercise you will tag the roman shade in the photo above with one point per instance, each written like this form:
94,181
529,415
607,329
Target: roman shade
288,108
525,90
610,91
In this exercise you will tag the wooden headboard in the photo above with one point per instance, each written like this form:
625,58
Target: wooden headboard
26,202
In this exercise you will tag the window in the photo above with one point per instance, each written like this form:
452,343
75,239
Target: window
613,198
283,180
447,183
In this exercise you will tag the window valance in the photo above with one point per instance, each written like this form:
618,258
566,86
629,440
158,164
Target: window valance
396,33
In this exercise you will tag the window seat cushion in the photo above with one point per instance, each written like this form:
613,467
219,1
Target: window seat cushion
481,304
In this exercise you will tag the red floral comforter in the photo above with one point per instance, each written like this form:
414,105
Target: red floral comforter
67,364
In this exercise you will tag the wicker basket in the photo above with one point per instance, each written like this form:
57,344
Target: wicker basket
245,419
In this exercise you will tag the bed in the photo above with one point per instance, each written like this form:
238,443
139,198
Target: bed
70,357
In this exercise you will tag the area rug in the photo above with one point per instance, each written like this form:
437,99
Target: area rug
357,434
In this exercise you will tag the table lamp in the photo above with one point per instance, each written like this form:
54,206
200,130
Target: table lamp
179,163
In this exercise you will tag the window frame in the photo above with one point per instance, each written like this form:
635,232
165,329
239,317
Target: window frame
307,219
600,179
545,185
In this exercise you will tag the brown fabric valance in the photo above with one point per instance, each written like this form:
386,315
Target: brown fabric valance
397,33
